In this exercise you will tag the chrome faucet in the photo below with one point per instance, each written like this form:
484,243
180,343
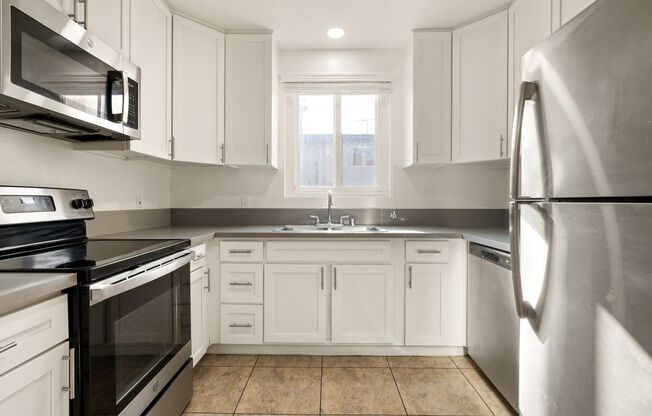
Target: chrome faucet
330,206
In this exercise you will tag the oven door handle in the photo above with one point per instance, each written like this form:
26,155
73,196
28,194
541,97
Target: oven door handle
132,279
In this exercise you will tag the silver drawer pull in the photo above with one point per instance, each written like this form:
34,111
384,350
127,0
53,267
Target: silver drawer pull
8,346
422,251
71,374
241,284
235,251
240,326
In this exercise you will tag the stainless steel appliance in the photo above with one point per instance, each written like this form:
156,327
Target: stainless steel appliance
130,312
493,327
59,80
581,216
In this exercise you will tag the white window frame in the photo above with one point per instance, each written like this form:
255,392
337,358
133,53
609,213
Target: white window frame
383,151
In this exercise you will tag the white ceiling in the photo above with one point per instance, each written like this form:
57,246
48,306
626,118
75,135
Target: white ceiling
302,24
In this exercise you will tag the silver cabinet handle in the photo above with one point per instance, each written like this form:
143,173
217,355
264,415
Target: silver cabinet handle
502,143
423,251
71,373
410,277
8,346
241,284
240,326
529,90
222,152
237,251
334,278
523,308
322,277
208,273
417,152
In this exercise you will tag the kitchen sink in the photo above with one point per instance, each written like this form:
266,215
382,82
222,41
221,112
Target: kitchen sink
334,228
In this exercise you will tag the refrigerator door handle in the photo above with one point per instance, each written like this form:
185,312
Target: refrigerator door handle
528,91
523,308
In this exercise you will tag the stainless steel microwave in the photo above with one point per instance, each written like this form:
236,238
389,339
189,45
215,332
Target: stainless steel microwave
59,80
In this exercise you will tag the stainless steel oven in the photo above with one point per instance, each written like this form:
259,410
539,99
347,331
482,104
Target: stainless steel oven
135,338
59,80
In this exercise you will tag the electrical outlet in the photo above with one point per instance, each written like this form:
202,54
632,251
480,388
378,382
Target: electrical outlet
245,202
139,201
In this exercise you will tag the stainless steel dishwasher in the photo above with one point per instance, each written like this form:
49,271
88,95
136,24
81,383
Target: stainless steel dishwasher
493,327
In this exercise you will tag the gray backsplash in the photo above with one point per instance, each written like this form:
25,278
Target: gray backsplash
109,222
281,216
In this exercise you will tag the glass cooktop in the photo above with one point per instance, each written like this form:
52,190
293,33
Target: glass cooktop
96,258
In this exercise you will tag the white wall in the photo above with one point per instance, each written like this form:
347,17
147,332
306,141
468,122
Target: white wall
447,187
113,183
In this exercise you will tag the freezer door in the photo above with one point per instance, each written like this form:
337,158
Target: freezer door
588,133
586,269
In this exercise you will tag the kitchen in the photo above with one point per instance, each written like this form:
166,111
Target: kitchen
303,207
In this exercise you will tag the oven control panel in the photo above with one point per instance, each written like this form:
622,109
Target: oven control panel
24,205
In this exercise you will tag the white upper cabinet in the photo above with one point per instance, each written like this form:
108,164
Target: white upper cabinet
295,303
151,50
363,304
431,124
530,22
480,90
566,10
251,85
198,91
109,20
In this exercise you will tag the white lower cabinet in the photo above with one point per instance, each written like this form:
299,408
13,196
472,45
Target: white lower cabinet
241,324
37,387
295,303
434,306
241,283
199,313
363,304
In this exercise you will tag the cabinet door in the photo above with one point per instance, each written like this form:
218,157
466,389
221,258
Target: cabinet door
241,283
432,97
36,387
480,90
566,10
197,311
363,304
248,99
435,305
295,306
530,22
151,47
109,19
198,98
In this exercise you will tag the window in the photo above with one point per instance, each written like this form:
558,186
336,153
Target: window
339,143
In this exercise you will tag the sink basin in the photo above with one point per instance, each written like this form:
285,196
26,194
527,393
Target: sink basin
330,229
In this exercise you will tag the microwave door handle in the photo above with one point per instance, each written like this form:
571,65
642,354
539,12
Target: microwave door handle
125,97
123,282
529,90
111,78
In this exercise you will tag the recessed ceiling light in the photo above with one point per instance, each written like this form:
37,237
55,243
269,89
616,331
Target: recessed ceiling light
335,32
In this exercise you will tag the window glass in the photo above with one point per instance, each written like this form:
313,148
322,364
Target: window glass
316,140
358,140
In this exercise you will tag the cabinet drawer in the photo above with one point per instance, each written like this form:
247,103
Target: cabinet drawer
30,331
427,251
200,257
241,283
241,324
329,251
241,251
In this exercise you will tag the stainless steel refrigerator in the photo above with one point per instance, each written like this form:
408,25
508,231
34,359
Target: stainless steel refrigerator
581,216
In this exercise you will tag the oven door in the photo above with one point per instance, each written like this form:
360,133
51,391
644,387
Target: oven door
49,62
138,330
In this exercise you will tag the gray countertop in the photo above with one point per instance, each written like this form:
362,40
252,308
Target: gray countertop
493,237
18,290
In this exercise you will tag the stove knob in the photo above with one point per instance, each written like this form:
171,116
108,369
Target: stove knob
77,203
88,203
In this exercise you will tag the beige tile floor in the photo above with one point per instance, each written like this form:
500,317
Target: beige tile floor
335,385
